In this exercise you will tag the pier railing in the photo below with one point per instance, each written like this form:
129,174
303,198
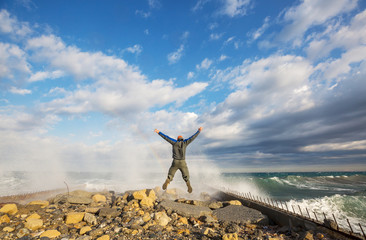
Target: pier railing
295,210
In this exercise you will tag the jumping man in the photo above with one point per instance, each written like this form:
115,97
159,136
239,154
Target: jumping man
179,154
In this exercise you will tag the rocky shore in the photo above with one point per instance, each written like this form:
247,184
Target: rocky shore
142,214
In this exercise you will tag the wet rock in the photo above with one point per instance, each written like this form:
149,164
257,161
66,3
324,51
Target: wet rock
330,223
10,209
240,214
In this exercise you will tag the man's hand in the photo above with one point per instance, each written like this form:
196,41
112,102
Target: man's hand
200,129
157,131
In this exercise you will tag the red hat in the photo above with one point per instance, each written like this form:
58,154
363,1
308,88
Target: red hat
179,137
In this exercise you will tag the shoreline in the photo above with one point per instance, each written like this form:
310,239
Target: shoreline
140,214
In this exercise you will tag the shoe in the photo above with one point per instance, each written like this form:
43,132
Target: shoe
189,187
165,185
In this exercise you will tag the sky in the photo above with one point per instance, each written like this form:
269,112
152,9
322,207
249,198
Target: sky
276,85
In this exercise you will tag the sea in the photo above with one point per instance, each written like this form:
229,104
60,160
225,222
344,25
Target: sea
339,195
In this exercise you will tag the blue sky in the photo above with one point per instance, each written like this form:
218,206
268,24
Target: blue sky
276,85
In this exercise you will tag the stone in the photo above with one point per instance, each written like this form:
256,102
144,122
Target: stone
99,198
33,216
183,220
104,237
92,209
230,236
242,214
319,236
81,193
207,231
22,232
10,208
235,202
215,205
185,210
74,217
33,224
8,229
162,219
79,200
4,219
51,234
330,223
108,212
90,219
151,194
85,229
232,228
43,204
307,236
96,232
146,217
139,195
147,202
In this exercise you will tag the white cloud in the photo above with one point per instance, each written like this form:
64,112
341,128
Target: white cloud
190,75
154,3
223,57
20,91
234,8
215,36
13,62
259,32
312,13
324,147
143,13
135,49
40,76
199,5
10,25
175,56
205,64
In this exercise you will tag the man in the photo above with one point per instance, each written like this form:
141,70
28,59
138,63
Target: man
179,155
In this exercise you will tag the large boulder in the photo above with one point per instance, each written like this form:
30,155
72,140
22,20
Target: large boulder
99,198
240,214
186,210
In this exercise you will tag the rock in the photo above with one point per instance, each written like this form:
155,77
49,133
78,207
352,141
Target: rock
207,231
233,213
183,220
22,232
139,195
43,204
63,229
104,237
146,217
81,193
33,224
162,219
51,234
4,219
230,236
90,219
232,228
85,229
96,232
147,202
33,216
10,208
185,210
79,200
330,223
92,209
8,229
319,236
74,217
108,212
307,236
235,202
215,205
99,198
81,238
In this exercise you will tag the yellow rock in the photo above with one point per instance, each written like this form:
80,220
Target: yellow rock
51,234
74,217
99,198
33,224
79,225
9,208
319,235
207,231
134,232
43,204
235,202
181,231
230,236
147,202
139,195
105,237
183,220
4,219
33,216
151,194
146,217
8,229
85,229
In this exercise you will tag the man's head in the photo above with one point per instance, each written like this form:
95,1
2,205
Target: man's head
179,138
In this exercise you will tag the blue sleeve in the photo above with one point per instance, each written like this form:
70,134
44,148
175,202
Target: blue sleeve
167,138
191,138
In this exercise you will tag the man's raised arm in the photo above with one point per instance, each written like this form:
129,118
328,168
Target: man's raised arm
166,137
190,139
